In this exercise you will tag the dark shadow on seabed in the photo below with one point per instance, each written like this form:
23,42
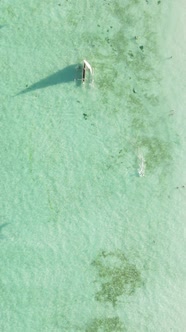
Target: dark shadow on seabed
1,228
66,75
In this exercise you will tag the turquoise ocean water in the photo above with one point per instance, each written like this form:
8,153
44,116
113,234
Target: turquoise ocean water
86,243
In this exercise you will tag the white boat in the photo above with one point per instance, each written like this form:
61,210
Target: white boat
86,66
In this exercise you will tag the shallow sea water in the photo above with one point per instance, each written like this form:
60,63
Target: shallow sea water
86,243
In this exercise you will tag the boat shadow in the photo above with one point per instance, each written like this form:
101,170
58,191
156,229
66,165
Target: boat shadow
66,75
1,228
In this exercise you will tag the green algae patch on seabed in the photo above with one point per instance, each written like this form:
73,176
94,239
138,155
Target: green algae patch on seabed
108,324
118,276
85,241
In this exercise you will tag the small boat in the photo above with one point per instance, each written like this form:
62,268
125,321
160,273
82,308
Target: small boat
86,66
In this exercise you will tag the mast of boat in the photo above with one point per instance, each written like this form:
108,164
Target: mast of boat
84,71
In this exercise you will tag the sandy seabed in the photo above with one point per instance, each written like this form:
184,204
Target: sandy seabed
86,243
